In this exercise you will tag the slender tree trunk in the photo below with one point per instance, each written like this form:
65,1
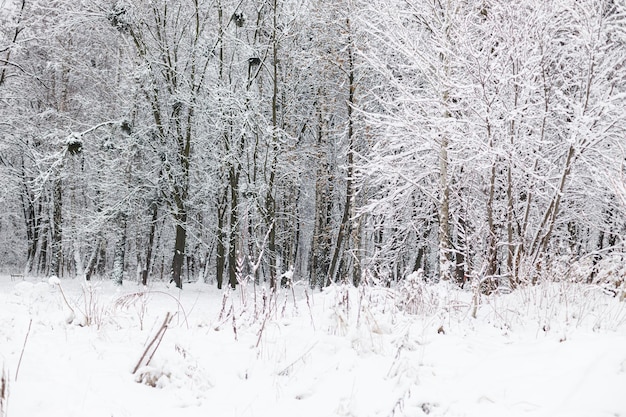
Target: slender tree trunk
546,227
357,272
56,246
345,227
445,10
509,229
119,253
178,259
93,257
32,219
444,212
43,266
492,241
597,257
510,258
234,227
460,252
151,234
220,261
270,202
321,243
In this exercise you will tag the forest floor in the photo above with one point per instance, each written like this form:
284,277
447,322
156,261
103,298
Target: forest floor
556,349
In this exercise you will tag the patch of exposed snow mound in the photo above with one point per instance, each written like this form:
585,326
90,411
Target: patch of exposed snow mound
178,372
23,288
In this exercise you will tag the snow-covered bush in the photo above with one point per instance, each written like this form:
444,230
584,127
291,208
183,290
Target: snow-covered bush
137,301
92,309
608,273
177,369
152,376
415,296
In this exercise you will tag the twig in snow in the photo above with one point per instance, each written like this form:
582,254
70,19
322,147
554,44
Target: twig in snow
223,310
128,299
152,347
288,368
19,362
58,283
232,311
258,341
308,303
399,404
4,393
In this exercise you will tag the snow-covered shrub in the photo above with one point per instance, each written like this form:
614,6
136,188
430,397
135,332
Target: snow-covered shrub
554,308
156,377
176,369
340,309
415,296
608,273
93,311
88,310
137,301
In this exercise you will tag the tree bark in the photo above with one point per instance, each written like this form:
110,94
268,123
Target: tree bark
93,258
56,246
179,249
146,270
270,201
234,227
444,212
119,254
345,227
32,218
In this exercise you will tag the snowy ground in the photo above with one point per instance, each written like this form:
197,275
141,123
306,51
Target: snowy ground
552,350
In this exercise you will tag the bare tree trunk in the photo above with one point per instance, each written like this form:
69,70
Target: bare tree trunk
510,258
270,201
220,261
444,212
93,257
460,252
119,253
179,249
346,223
234,227
151,234
357,272
546,227
56,246
321,242
492,241
42,264
32,218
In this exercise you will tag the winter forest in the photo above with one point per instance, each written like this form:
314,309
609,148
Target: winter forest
361,208
339,141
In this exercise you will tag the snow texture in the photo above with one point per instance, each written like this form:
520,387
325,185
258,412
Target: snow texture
556,349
